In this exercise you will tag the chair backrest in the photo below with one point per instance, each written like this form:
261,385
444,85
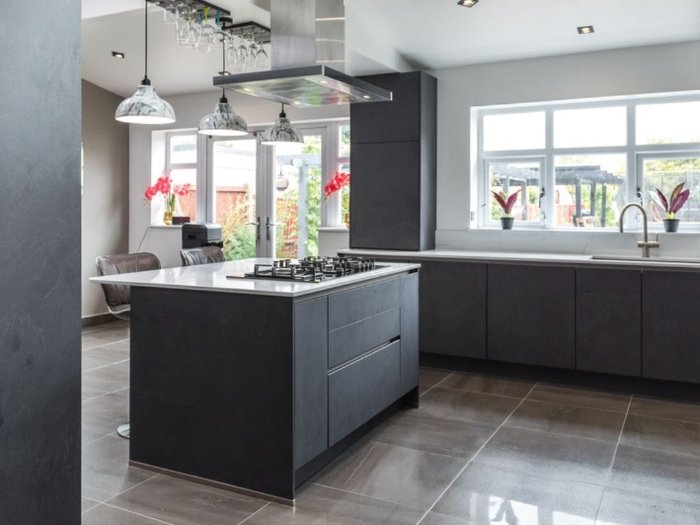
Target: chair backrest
203,255
118,295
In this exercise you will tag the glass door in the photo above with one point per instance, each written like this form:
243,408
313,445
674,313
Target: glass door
297,180
234,201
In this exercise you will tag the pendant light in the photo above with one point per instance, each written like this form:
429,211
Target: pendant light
145,106
224,122
283,134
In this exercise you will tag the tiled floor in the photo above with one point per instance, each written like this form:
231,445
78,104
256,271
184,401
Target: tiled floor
479,450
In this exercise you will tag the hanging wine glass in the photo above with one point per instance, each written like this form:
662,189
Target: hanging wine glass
183,27
170,14
232,52
252,55
195,31
262,61
242,55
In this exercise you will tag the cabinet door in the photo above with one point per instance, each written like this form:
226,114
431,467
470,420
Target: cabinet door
395,121
608,321
453,308
385,196
531,315
671,331
409,331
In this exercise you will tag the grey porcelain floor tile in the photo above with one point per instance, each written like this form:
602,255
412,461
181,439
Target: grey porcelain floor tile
548,455
628,508
88,436
105,380
568,419
422,431
316,505
109,334
484,495
187,503
105,469
488,384
392,473
467,406
643,470
87,503
665,409
106,515
105,355
582,397
429,377
105,413
435,518
666,435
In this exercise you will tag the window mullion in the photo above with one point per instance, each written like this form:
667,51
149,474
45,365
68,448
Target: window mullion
549,182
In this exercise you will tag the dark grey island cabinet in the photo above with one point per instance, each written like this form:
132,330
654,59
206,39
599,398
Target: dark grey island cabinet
259,391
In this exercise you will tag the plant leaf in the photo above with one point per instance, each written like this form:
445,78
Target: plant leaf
511,201
663,200
680,201
675,193
499,198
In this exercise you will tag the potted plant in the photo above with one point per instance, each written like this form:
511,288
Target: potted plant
672,205
506,202
164,186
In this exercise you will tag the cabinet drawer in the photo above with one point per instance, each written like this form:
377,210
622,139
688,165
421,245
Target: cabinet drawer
355,339
362,389
345,308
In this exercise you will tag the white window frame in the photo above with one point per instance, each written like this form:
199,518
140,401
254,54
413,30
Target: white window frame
635,154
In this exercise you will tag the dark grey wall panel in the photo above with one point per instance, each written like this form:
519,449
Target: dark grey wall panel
40,261
310,379
362,389
453,308
357,338
409,332
531,315
671,330
608,321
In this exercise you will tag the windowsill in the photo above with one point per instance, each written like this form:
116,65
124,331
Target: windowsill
611,231
334,229
165,226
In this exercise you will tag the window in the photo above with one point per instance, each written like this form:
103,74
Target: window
575,164
181,165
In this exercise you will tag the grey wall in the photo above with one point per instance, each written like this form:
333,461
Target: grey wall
105,200
40,261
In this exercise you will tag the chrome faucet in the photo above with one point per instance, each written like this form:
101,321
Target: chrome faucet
646,244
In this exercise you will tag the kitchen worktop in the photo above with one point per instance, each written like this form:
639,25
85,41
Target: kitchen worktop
215,277
606,260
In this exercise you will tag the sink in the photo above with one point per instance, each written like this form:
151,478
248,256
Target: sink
639,258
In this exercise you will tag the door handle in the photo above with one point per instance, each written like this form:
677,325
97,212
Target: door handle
268,228
257,229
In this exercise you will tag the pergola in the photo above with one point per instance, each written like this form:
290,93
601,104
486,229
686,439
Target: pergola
577,176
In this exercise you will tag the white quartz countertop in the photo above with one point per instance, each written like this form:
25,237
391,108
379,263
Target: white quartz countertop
608,260
216,278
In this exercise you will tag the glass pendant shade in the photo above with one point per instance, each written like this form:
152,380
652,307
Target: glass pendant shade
145,107
282,134
224,122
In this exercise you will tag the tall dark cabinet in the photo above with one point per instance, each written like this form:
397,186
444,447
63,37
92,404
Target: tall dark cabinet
394,164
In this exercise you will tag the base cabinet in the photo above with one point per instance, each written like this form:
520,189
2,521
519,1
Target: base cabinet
453,309
671,331
608,321
531,315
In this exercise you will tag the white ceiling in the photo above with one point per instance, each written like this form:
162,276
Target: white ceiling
430,34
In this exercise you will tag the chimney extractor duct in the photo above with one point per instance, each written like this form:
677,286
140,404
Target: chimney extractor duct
296,78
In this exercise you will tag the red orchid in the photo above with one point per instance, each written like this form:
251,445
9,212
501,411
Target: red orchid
164,186
340,180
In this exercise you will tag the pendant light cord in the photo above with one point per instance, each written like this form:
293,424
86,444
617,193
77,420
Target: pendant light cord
145,81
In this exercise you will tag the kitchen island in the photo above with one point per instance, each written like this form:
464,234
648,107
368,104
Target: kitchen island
258,383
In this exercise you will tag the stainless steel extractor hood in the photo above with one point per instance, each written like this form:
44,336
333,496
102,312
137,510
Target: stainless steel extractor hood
296,78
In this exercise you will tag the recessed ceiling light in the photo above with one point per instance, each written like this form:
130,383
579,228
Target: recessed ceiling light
118,54
468,3
585,30
367,97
